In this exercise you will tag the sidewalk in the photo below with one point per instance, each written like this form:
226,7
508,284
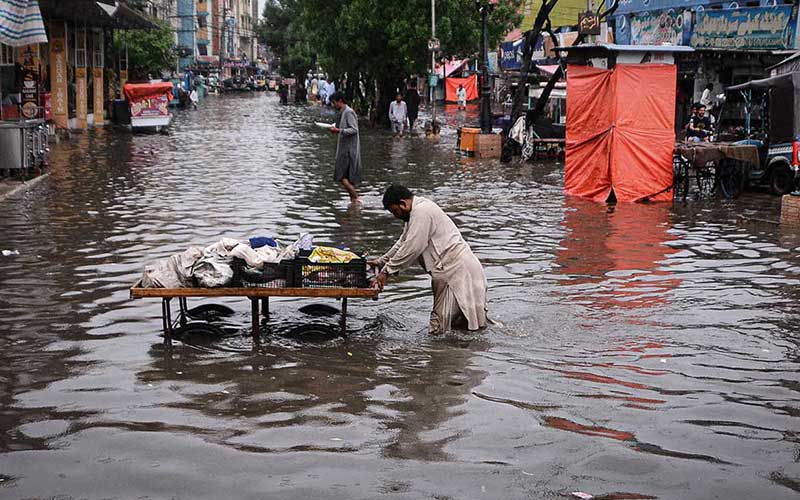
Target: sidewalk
12,187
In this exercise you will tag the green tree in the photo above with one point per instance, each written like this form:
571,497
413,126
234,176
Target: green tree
282,32
149,51
383,41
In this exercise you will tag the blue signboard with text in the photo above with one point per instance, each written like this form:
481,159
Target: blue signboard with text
752,28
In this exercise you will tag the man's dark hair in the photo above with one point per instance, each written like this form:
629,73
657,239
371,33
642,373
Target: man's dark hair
394,194
710,86
337,96
702,106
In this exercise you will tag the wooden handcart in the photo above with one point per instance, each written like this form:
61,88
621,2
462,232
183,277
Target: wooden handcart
259,301
714,166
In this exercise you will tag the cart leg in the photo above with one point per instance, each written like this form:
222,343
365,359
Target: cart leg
167,321
256,319
265,307
344,317
183,308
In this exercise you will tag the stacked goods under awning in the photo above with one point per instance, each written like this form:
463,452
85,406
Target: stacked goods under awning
260,262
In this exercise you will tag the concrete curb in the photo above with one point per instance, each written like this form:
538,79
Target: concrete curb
23,187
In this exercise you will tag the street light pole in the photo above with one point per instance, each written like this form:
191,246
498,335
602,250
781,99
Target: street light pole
486,88
434,127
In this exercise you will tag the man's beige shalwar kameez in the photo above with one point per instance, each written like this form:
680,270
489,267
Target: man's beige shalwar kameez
458,281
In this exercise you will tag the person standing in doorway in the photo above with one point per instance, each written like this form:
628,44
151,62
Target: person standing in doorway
348,148
461,97
398,112
412,102
707,98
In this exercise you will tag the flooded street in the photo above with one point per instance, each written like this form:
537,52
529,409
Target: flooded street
644,351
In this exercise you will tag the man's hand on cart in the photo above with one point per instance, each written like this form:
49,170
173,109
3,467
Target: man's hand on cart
380,280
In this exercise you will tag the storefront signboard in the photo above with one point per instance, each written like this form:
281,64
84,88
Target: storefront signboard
81,100
666,27
58,73
97,85
753,28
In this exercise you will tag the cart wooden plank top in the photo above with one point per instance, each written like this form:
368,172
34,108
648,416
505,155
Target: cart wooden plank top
254,294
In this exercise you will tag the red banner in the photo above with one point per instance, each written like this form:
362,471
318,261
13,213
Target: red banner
470,85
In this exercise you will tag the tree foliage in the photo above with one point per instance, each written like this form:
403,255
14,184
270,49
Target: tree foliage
378,41
281,30
149,51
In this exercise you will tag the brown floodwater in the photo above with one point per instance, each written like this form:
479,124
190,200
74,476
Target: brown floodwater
644,351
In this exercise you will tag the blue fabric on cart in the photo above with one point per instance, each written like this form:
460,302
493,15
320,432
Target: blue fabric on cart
260,241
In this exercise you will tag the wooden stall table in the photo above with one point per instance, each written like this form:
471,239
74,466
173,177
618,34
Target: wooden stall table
254,294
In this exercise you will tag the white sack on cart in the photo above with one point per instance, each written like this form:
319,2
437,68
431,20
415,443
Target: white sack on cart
223,247
213,270
255,258
172,272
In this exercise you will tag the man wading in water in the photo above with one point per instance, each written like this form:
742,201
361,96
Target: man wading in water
430,237
348,148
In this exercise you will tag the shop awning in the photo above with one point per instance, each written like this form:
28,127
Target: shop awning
21,23
114,14
138,91
451,67
547,68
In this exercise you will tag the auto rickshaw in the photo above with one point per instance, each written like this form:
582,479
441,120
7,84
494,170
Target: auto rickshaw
766,113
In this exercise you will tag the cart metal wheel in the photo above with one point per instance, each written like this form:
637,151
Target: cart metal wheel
680,177
209,312
706,177
198,328
732,178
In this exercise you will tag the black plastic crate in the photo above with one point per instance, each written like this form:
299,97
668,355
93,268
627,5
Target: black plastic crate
309,274
272,275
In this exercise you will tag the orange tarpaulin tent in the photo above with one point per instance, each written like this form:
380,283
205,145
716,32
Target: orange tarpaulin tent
139,91
620,132
470,84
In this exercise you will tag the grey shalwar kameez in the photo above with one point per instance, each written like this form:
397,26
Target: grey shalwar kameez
348,148
457,278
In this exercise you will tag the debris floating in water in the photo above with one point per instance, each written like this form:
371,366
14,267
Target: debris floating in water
7,253
580,494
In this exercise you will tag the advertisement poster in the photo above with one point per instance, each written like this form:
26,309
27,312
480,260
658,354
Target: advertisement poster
30,94
58,74
745,28
97,85
81,98
150,107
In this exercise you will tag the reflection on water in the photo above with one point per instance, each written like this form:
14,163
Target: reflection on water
645,351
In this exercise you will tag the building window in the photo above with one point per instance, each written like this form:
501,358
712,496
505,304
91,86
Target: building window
6,55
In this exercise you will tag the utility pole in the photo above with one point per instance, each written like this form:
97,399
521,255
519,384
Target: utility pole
223,29
434,126
486,86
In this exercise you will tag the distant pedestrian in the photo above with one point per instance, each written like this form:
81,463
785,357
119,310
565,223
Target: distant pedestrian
331,90
398,112
314,87
461,97
283,92
300,94
412,102
323,90
348,148
193,98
